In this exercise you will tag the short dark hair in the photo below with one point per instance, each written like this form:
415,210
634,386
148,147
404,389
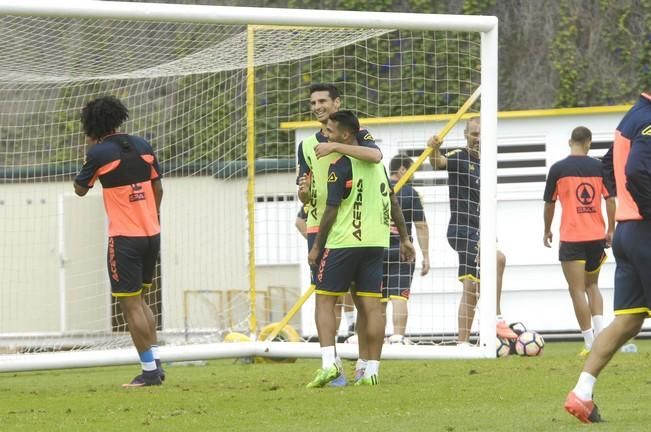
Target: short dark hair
400,160
102,116
333,91
581,134
346,120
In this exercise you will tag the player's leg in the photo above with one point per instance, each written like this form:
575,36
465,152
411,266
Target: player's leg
332,280
148,271
375,311
467,307
501,266
574,272
573,260
399,299
368,283
502,330
632,304
466,247
362,338
579,401
125,255
596,258
400,312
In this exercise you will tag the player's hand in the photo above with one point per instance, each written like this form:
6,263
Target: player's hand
609,238
324,149
547,239
313,256
407,251
434,142
304,184
425,268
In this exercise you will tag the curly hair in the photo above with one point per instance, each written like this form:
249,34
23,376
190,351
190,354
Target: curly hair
102,116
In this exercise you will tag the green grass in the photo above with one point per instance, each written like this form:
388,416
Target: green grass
510,394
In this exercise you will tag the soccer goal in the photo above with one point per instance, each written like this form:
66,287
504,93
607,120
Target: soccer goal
222,95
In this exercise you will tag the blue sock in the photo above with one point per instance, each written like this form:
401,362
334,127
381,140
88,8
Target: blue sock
147,360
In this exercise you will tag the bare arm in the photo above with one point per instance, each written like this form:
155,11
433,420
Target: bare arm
548,216
304,189
301,226
363,153
436,159
407,251
157,186
611,207
422,233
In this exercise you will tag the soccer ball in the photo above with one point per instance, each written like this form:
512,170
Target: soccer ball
518,328
529,344
503,348
352,339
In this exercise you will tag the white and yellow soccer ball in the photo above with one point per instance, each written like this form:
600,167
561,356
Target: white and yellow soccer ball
529,344
502,347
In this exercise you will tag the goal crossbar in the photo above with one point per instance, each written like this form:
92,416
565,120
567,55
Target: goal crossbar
246,15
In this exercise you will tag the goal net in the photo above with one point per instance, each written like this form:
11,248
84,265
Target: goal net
215,99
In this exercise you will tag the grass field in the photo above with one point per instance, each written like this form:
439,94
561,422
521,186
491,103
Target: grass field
510,394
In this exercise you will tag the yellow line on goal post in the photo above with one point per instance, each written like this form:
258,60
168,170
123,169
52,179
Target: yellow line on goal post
448,127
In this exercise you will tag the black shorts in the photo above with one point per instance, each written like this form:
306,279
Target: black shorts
339,268
591,253
465,241
397,275
633,270
131,263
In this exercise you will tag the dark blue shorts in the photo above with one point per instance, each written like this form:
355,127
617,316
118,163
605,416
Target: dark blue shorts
632,250
397,275
590,252
465,241
339,268
131,263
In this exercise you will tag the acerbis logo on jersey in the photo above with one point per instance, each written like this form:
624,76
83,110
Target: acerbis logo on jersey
136,194
357,211
585,194
647,131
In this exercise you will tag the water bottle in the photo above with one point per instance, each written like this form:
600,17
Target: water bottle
629,348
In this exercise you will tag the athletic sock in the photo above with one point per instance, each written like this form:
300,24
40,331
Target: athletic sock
597,324
372,368
328,356
585,386
588,338
147,360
